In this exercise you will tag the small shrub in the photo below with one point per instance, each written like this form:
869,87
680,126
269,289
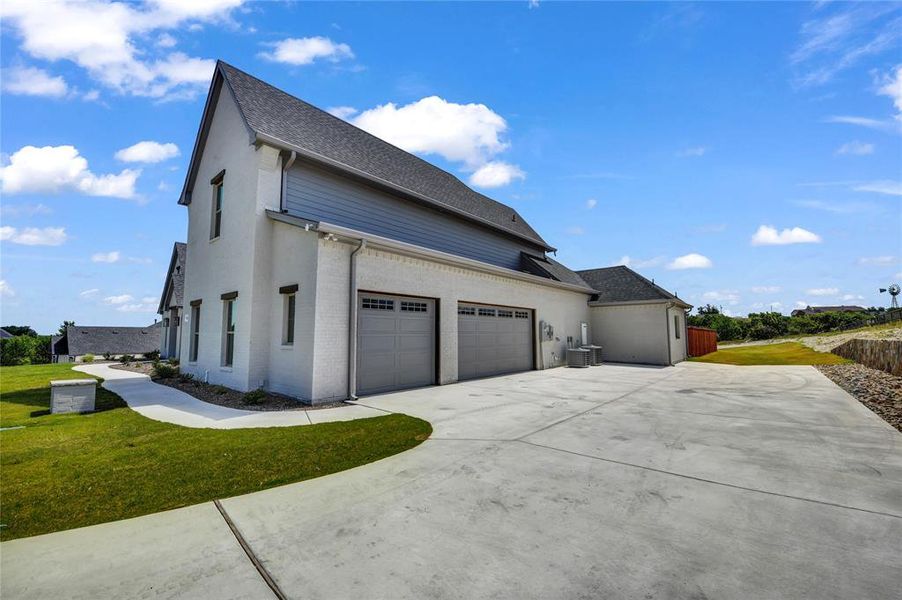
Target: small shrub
152,355
163,370
186,377
127,358
107,356
255,397
87,358
220,389
173,361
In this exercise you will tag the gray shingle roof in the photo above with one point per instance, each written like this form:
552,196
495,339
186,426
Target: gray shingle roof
115,340
546,267
175,277
281,117
622,284
4,334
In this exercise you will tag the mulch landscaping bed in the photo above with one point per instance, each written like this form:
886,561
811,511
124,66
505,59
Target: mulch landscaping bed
878,390
224,396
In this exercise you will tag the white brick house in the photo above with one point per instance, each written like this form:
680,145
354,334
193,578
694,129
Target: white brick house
323,262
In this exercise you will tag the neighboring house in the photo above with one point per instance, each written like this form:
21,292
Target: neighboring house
325,263
814,310
4,334
635,320
171,304
80,340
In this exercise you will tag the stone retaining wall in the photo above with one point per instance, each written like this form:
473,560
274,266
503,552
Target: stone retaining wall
885,355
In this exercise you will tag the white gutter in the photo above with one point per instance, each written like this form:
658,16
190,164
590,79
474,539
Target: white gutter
640,302
352,323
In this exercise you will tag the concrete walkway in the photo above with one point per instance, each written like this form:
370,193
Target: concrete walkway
698,481
163,403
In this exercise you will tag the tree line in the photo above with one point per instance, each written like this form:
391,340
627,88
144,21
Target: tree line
767,325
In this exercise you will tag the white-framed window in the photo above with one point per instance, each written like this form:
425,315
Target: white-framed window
378,304
466,310
289,304
195,332
228,330
216,213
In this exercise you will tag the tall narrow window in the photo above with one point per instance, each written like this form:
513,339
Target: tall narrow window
216,226
676,326
228,330
195,332
288,327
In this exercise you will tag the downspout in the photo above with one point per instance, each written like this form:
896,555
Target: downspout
352,323
667,308
285,167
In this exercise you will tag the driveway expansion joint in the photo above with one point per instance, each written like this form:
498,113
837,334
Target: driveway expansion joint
267,577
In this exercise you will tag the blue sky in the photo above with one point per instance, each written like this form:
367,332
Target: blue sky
748,155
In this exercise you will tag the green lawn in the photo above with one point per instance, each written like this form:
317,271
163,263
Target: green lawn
787,353
66,471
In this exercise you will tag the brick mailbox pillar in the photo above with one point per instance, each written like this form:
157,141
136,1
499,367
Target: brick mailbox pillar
72,395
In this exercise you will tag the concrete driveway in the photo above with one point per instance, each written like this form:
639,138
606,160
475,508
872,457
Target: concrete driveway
698,481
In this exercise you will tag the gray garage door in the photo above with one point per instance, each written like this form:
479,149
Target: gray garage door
492,340
395,343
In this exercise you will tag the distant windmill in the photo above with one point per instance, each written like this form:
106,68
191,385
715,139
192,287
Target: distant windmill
893,290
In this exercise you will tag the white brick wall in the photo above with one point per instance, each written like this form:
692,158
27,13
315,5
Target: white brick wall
72,396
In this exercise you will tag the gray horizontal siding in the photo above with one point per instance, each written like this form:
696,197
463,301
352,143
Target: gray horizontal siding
315,194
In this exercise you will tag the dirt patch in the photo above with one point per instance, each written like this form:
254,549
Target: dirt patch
878,390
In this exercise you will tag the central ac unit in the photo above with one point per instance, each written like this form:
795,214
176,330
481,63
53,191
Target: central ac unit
578,358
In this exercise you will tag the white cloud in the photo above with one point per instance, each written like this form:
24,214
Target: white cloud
801,304
885,186
103,38
120,299
89,293
106,257
496,174
470,134
591,203
34,236
53,169
769,236
342,112
766,289
731,297
638,263
822,291
91,95
886,125
148,152
836,40
878,261
24,210
6,289
690,261
840,208
166,41
304,51
30,81
467,133
892,87
576,230
852,298
692,151
856,148
125,303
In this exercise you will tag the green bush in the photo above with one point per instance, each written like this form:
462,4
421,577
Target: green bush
163,370
152,355
87,358
25,350
127,358
173,361
255,397
220,389
186,377
107,356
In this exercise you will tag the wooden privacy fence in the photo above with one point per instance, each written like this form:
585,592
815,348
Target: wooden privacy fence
701,341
